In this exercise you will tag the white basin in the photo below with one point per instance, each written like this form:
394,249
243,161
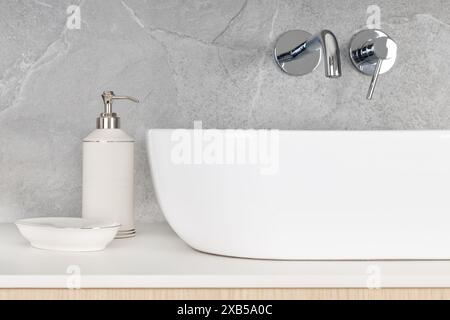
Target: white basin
306,194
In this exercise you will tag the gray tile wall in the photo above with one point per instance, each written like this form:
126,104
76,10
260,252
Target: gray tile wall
192,60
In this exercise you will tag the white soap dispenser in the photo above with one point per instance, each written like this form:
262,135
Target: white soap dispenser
108,171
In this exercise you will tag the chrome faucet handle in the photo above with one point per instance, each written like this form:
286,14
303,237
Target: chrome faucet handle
372,52
373,83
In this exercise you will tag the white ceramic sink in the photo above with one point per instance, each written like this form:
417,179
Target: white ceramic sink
306,194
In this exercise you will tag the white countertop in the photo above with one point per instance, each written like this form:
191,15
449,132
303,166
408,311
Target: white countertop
157,258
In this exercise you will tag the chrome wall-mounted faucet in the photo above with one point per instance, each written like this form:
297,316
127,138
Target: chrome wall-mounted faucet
372,52
297,52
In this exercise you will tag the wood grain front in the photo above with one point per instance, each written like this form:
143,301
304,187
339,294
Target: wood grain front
226,294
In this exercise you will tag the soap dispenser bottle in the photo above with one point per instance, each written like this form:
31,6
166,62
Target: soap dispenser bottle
108,171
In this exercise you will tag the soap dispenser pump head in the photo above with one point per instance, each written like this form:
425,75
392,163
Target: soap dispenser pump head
109,119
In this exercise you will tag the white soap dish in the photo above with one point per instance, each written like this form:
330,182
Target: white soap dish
68,234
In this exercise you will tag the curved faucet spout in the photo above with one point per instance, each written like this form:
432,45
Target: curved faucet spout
326,41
